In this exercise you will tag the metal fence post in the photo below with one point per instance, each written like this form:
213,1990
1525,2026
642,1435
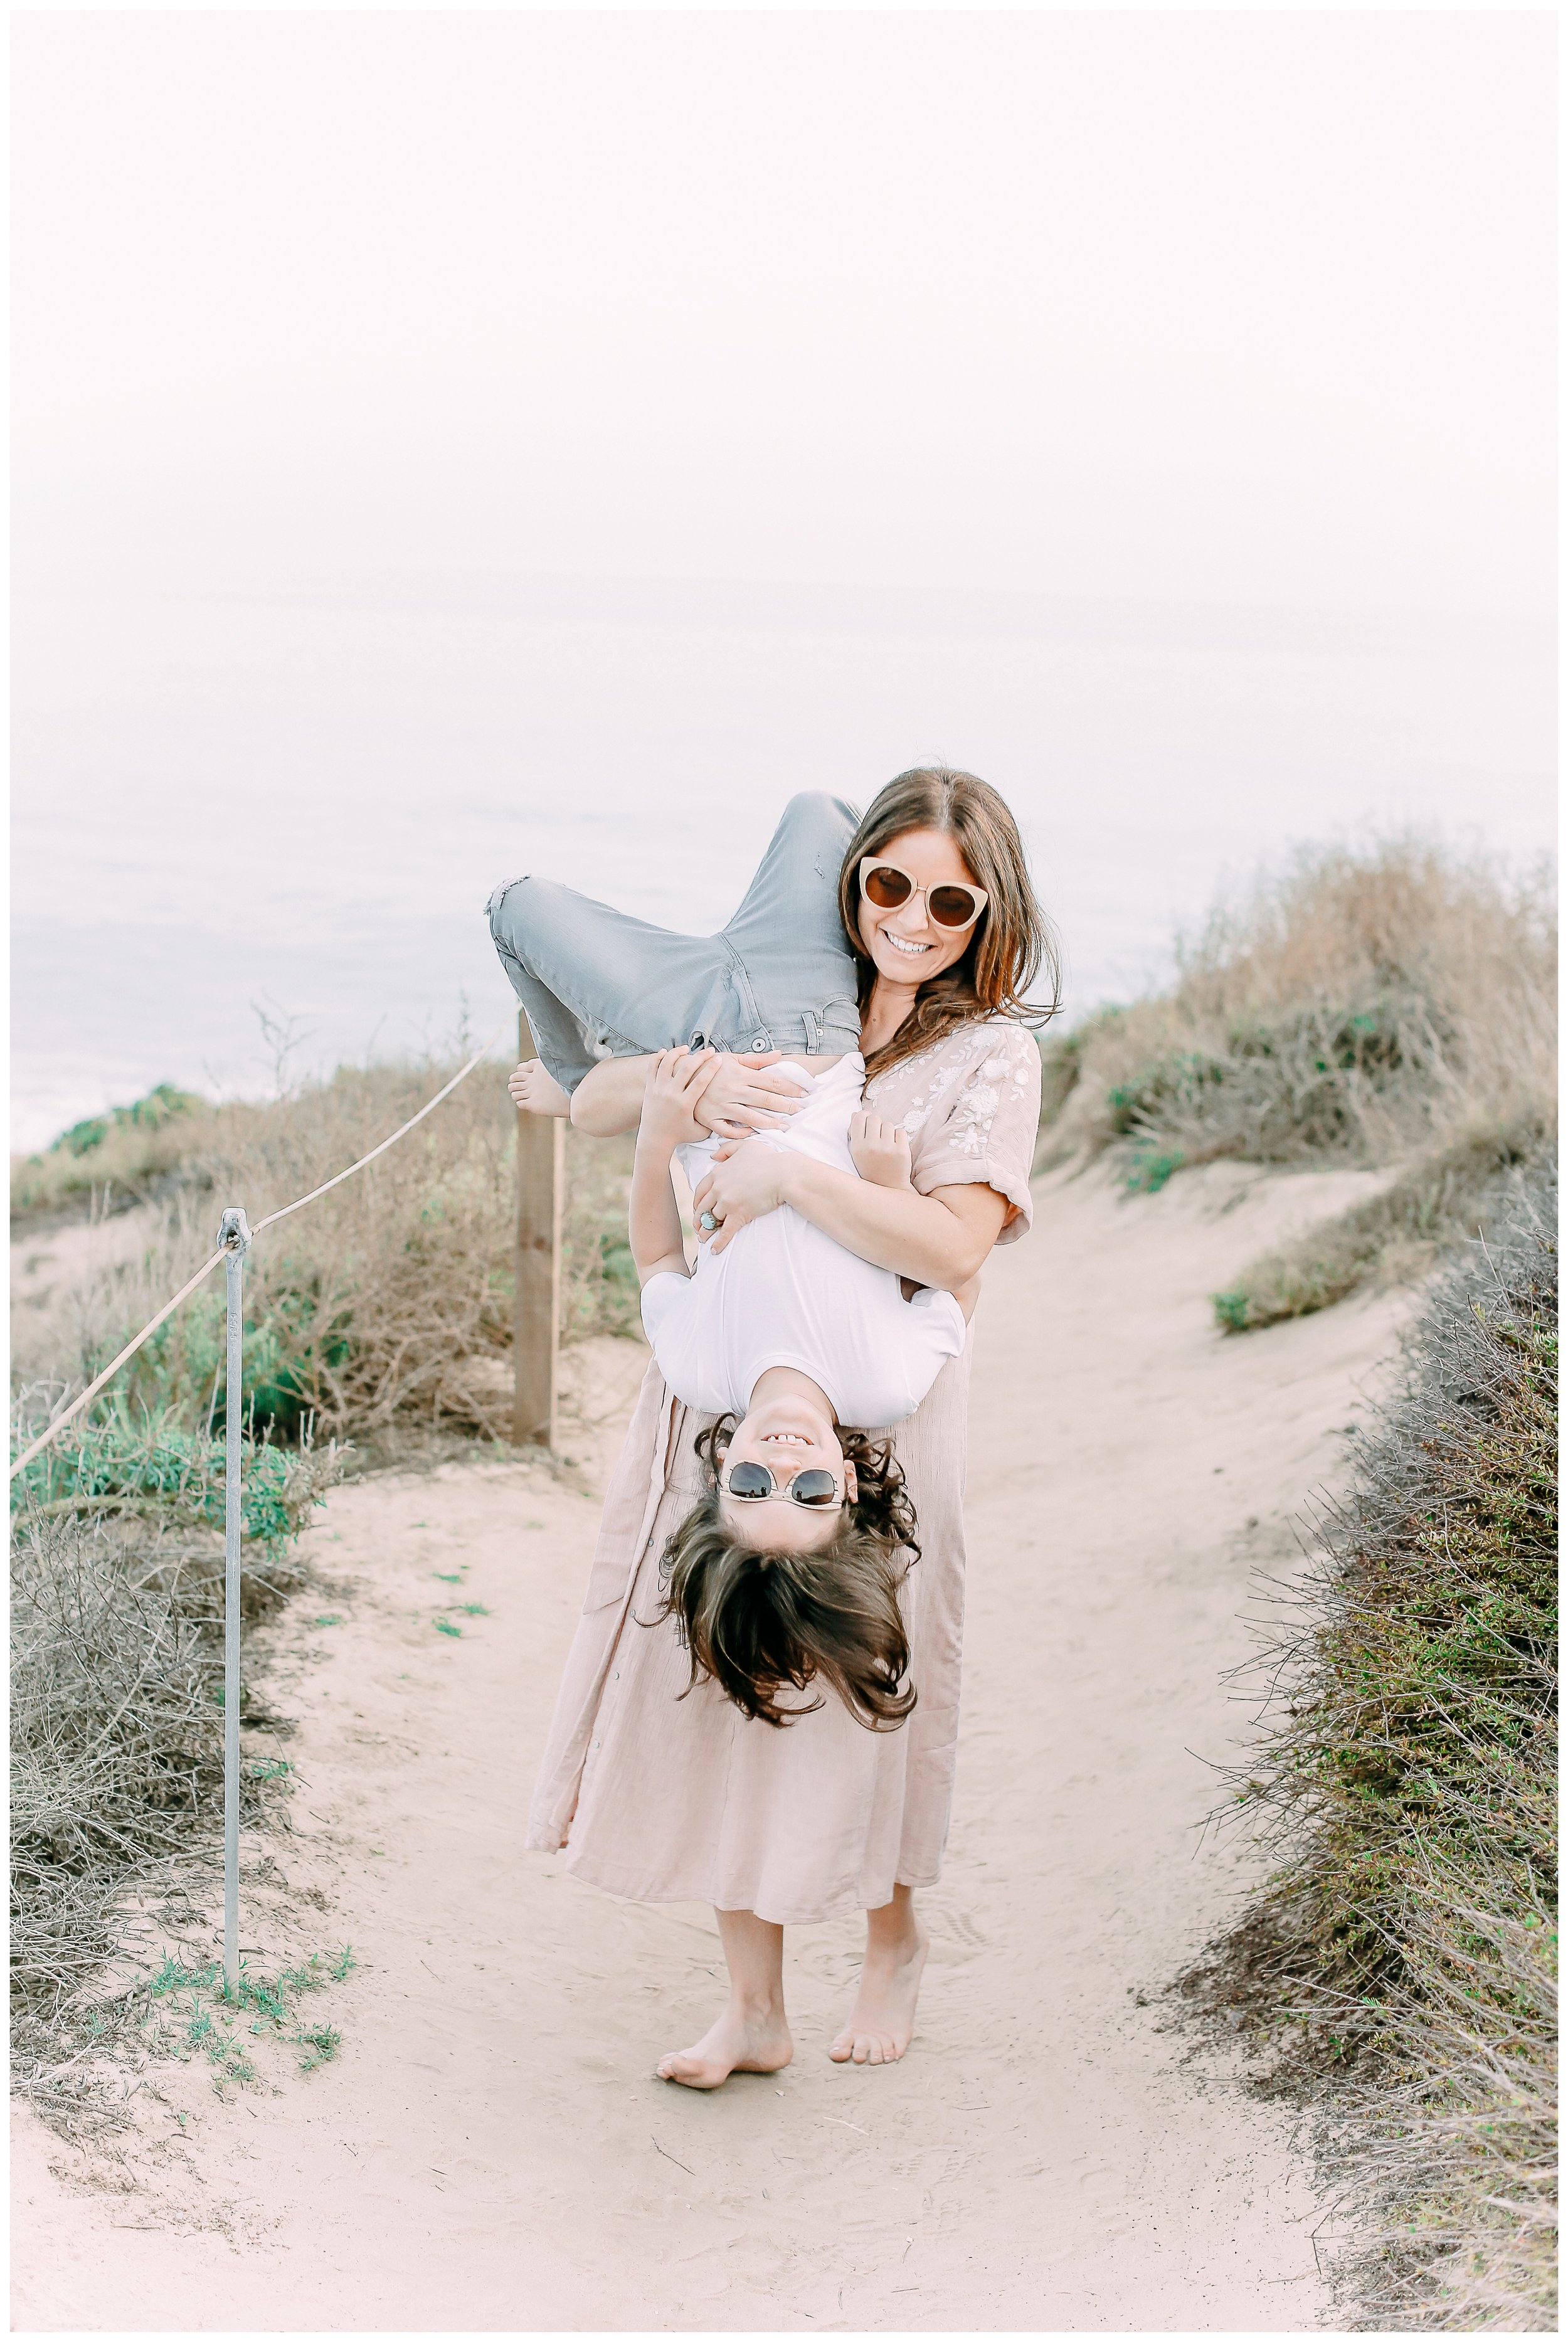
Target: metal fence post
235,1237
536,1325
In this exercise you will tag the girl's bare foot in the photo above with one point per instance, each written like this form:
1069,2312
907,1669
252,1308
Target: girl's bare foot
882,2021
743,2041
534,1091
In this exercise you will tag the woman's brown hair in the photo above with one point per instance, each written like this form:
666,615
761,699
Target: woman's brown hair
754,1621
1013,940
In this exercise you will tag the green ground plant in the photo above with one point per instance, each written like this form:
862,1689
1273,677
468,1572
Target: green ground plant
214,2022
155,1467
1405,1780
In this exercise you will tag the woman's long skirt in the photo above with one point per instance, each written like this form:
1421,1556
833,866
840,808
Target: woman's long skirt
671,1798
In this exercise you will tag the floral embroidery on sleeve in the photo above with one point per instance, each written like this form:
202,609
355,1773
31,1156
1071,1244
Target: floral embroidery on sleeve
964,1084
970,1106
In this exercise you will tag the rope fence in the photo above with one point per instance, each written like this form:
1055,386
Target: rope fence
535,1339
225,1243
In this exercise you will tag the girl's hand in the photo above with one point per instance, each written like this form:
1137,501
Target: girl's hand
879,1150
674,1086
744,1094
745,1183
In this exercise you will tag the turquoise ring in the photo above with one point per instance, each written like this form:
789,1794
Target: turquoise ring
708,1222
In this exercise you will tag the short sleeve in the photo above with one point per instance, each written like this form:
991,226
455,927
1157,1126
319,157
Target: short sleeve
662,1295
981,1123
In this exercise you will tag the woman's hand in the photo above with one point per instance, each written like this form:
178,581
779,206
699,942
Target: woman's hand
879,1150
745,1183
745,1093
675,1084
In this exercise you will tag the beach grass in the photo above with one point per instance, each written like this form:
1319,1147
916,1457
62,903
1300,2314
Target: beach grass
124,1153
389,1299
1391,1009
1403,1777
1447,1195
1392,1006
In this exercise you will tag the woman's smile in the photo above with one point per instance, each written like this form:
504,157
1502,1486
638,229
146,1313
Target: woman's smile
905,946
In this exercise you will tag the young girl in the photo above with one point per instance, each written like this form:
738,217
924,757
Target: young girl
788,1570
918,935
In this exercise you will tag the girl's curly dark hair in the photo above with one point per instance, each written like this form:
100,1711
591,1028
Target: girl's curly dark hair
754,1621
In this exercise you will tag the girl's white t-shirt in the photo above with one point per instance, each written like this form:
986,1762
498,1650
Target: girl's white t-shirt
783,1294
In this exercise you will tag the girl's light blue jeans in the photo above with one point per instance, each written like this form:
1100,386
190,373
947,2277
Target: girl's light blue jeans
596,982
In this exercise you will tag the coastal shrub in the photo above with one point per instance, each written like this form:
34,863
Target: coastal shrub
1404,1781
117,1763
155,1469
1063,1052
1356,1007
1285,1088
1449,1194
125,1150
1389,1005
390,1297
117,1713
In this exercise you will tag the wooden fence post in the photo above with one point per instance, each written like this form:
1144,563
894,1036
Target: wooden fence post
536,1325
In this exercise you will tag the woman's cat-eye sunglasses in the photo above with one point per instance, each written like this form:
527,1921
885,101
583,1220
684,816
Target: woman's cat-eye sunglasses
752,1483
888,889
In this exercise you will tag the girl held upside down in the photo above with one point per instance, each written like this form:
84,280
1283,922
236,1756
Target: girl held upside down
788,1570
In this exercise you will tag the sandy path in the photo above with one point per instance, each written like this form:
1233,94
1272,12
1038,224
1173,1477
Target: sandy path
490,2150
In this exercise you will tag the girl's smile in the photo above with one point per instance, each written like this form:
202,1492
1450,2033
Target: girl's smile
789,1423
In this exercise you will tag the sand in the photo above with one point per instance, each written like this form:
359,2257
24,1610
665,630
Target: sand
490,2150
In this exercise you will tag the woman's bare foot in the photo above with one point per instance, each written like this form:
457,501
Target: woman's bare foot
743,2041
882,2021
534,1091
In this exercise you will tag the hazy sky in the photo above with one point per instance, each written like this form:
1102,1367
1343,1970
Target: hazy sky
1236,306
455,444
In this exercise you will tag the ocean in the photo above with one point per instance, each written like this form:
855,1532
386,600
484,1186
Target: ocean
290,809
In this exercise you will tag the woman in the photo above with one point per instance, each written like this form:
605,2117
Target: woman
663,1798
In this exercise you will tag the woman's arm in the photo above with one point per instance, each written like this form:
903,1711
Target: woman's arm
739,1095
940,1239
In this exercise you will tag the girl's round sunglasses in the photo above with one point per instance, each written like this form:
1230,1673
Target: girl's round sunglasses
750,1484
951,906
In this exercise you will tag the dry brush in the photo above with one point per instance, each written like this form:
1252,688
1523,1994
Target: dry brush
1394,1005
387,1303
1404,1778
